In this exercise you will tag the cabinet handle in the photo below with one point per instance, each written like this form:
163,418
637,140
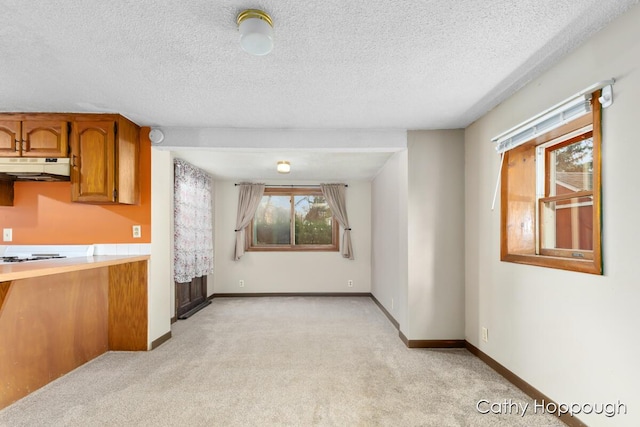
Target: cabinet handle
73,161
18,145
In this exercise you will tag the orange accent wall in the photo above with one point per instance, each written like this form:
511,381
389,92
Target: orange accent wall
42,212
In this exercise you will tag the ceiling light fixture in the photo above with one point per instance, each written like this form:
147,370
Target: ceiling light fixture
256,32
283,166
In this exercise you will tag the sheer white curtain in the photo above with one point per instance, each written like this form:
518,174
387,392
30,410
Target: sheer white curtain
335,196
249,198
193,222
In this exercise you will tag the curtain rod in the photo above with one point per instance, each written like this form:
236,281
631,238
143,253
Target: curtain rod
292,185
587,91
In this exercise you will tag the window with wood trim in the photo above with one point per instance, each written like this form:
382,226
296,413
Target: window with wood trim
550,197
293,219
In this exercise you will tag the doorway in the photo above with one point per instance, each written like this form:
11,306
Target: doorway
192,237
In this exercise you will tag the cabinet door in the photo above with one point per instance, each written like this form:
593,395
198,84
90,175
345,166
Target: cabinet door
93,162
6,193
45,138
127,162
10,138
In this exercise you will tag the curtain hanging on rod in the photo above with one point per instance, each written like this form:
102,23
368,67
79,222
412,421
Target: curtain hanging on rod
193,223
335,195
248,200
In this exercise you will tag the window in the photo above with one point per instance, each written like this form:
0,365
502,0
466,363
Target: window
566,205
550,212
293,219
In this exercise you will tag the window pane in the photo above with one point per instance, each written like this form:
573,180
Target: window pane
313,220
272,225
572,168
567,224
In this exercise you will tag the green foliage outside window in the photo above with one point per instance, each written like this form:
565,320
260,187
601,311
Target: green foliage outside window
310,214
313,221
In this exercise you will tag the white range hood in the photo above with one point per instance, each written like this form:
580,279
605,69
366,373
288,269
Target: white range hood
35,169
35,252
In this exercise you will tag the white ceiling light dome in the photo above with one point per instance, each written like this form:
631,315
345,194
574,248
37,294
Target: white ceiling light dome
283,166
256,32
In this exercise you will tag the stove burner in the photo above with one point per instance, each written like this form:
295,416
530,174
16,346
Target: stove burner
31,258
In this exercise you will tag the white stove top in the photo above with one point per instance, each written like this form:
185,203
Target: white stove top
34,253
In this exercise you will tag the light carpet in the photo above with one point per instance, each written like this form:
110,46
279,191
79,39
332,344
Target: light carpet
295,361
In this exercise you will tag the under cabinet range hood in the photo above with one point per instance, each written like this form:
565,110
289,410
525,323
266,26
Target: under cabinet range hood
25,253
35,169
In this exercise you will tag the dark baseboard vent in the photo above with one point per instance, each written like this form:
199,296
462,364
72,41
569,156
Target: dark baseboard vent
195,309
291,294
530,390
393,321
431,343
160,340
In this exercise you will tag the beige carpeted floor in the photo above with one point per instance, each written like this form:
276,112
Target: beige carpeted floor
300,361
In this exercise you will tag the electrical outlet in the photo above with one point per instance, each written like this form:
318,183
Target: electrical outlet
350,283
485,334
7,234
137,232
241,283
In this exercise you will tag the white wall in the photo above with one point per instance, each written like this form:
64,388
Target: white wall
389,249
571,335
160,288
272,272
435,235
342,140
162,231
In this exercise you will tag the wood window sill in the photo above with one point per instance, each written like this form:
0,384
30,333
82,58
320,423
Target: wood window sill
579,265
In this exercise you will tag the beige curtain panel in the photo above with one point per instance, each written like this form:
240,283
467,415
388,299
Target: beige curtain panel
248,200
335,196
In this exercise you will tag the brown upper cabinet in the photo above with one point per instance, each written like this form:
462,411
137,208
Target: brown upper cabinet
6,192
104,154
104,160
46,137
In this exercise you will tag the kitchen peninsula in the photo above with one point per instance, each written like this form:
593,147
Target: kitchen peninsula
58,314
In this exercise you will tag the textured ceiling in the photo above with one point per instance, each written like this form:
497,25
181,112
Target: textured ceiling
257,165
375,64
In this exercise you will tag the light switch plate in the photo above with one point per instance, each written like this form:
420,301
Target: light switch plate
7,234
